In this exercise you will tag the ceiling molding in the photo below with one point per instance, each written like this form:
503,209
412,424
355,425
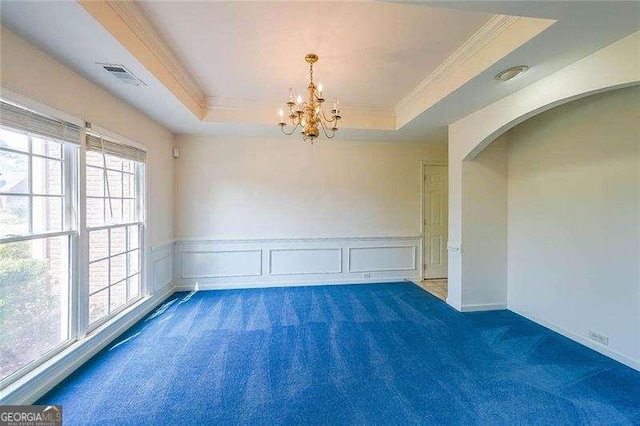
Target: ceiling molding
125,21
498,37
243,111
232,103
455,71
437,85
134,18
489,31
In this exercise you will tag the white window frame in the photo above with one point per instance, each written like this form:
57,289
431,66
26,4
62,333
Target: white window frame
70,229
140,213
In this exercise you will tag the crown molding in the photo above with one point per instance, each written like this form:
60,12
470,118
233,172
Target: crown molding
233,103
243,111
494,40
241,103
422,96
485,47
126,22
143,29
489,31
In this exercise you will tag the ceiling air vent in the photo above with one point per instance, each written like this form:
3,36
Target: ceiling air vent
122,74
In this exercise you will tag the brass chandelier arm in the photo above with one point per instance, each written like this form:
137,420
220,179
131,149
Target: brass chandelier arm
324,116
296,116
326,133
292,130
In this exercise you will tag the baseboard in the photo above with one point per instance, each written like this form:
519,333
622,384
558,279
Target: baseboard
453,304
604,350
259,284
478,307
38,382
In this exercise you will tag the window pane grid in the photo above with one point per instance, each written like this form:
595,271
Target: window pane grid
111,189
45,157
32,186
97,197
117,254
32,195
93,166
112,197
103,227
13,151
117,282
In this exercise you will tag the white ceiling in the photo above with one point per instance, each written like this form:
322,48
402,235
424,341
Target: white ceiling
371,53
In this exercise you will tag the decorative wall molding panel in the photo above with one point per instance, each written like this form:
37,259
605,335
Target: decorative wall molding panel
160,266
305,261
379,259
221,263
217,264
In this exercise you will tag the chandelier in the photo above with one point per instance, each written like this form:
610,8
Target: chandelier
310,115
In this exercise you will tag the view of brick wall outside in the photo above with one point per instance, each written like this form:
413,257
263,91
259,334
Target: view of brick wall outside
114,253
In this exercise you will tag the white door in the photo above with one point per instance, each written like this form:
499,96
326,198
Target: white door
435,221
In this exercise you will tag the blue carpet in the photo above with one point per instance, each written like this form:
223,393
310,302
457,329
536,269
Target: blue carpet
359,354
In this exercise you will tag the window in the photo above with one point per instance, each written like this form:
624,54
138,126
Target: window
52,229
114,222
37,232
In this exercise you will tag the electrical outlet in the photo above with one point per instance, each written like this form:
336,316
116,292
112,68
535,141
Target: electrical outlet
366,275
600,338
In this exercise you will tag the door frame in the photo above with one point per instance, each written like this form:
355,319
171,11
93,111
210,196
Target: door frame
423,177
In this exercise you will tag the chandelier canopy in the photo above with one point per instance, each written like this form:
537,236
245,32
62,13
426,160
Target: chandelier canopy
310,115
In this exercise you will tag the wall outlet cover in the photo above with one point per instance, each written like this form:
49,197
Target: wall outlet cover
598,337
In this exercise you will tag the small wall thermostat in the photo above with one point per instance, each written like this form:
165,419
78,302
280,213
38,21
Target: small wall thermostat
176,152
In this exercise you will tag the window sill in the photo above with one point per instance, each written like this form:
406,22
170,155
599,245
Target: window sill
28,388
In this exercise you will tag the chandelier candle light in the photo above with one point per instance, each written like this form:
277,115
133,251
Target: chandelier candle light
310,115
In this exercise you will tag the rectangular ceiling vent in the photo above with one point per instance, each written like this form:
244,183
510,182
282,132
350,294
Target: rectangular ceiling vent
123,74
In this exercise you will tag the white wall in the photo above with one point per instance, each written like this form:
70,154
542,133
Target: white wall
574,218
616,65
30,72
283,193
484,229
235,188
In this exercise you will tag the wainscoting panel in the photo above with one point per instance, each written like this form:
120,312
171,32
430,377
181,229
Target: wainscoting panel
221,263
216,264
378,259
305,261
161,266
